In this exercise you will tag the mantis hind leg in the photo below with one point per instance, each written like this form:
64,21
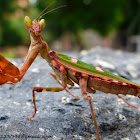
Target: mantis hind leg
127,102
83,86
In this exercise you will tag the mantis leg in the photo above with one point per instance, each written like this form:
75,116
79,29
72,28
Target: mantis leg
32,54
56,78
8,72
7,67
52,89
83,86
127,102
41,89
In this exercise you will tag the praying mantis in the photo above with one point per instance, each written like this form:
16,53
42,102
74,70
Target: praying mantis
67,71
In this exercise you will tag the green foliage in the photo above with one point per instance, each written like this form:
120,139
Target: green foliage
12,29
14,33
131,14
102,16
10,34
6,6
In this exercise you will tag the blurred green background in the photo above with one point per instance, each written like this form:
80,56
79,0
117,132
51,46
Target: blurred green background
80,25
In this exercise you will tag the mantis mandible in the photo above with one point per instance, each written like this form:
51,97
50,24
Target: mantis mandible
67,71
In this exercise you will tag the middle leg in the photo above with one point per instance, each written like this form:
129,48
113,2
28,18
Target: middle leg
83,86
56,78
41,89
63,77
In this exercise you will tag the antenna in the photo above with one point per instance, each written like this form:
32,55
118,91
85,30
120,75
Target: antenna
45,9
52,10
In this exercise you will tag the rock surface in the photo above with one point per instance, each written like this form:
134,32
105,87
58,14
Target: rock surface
60,116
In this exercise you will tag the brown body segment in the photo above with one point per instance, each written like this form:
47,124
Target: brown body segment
104,84
112,86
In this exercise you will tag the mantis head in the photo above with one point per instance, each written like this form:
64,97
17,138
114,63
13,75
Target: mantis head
34,26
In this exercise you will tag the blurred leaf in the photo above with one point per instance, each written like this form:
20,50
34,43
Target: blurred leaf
104,16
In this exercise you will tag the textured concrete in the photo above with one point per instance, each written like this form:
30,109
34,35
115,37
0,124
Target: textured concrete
60,116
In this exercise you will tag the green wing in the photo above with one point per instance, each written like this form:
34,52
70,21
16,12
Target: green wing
89,68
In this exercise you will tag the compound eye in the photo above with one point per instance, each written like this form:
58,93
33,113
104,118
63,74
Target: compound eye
27,21
42,23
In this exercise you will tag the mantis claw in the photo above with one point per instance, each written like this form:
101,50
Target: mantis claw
29,118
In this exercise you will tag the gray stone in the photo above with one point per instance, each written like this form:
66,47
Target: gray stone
60,116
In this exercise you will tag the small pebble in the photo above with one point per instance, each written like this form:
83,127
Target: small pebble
65,100
41,129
